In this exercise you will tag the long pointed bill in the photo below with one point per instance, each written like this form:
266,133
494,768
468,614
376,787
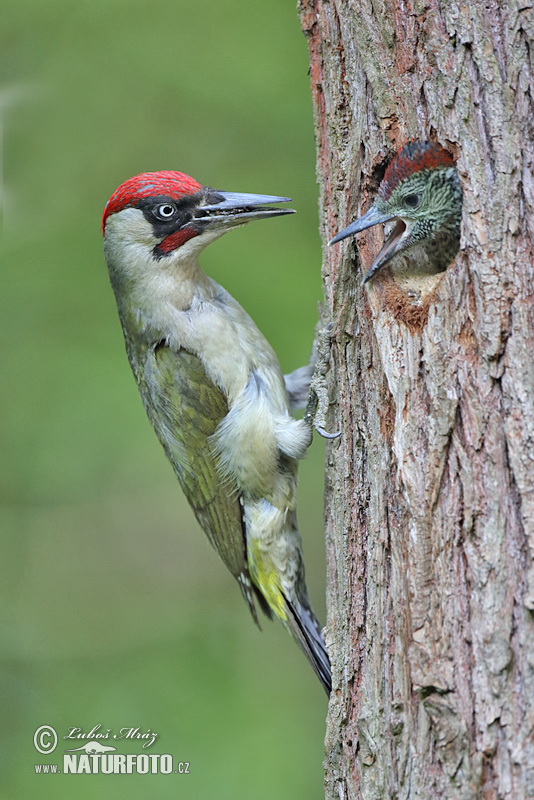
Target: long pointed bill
374,217
387,252
235,209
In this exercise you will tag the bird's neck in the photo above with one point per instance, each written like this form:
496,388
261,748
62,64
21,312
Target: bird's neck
149,299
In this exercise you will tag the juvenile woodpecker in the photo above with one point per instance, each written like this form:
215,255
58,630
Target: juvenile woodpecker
421,196
213,388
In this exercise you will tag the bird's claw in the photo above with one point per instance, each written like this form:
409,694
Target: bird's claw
318,402
326,435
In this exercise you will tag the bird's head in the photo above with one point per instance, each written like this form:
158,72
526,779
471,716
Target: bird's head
168,215
421,196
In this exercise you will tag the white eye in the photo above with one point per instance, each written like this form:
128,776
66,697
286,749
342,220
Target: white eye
166,211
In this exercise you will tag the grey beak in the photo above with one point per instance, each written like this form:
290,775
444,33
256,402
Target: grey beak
234,208
236,200
372,217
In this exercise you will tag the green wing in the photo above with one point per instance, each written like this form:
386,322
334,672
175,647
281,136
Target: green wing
185,408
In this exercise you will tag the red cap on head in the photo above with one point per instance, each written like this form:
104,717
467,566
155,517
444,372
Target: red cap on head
413,157
148,184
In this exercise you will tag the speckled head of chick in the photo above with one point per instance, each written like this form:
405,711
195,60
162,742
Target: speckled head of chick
420,199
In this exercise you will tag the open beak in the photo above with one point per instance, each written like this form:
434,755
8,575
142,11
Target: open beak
228,209
391,245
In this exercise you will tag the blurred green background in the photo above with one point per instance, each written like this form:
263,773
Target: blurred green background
115,610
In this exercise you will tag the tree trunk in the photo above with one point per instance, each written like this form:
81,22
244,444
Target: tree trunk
430,489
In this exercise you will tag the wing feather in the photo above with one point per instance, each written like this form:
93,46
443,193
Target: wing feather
185,408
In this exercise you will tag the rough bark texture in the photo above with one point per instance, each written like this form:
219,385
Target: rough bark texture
430,490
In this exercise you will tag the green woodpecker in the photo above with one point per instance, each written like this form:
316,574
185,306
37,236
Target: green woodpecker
213,388
421,197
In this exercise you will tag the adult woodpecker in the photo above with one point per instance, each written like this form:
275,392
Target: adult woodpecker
421,194
213,388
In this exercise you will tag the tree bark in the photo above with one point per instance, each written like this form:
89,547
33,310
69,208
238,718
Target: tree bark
430,489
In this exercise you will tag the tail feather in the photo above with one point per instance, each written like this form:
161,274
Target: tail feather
306,631
263,604
251,594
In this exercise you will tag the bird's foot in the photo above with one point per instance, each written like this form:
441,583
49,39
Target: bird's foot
318,402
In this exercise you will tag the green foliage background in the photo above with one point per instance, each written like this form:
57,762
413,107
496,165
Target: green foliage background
115,611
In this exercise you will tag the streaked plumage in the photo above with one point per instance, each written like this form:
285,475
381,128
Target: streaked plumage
420,194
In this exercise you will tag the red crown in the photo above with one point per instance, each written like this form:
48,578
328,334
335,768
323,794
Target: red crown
148,184
413,157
